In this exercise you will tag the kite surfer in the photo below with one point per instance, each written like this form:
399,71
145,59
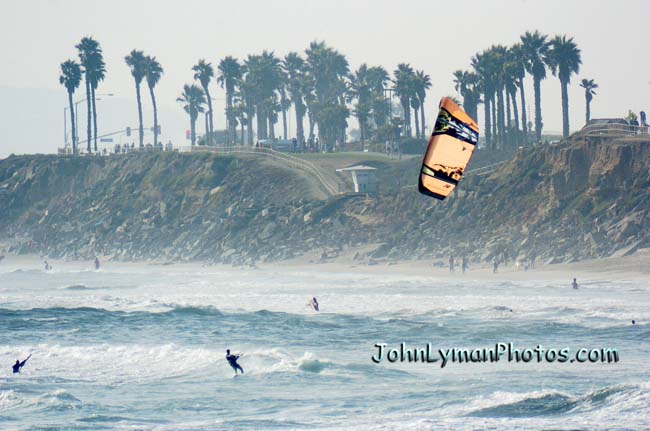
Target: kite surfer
232,360
18,365
313,304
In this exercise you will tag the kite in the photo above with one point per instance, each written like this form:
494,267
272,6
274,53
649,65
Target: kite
454,139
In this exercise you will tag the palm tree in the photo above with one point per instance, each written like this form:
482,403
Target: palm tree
589,85
483,65
193,100
203,72
246,97
70,78
230,72
403,80
535,47
360,89
89,53
98,74
294,69
137,62
415,104
153,72
378,78
467,84
564,60
327,71
518,71
422,84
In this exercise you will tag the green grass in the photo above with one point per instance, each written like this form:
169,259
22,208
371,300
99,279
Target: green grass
347,155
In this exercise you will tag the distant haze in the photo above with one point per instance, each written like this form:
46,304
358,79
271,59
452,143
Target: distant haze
437,37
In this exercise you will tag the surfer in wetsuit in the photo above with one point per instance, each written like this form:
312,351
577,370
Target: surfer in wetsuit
574,284
232,360
313,304
18,365
96,263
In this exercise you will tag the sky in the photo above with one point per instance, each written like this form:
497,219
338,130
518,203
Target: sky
435,36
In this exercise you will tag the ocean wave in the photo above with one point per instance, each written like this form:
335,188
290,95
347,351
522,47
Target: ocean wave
552,403
79,287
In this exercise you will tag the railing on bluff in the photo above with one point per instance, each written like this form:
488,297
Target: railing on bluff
304,165
612,130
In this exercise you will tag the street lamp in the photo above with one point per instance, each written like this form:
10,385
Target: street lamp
76,118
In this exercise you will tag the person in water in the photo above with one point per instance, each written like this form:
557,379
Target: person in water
96,263
313,304
574,284
18,365
47,266
232,360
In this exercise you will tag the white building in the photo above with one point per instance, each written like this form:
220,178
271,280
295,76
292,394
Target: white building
363,177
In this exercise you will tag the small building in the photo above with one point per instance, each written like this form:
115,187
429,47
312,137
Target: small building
363,177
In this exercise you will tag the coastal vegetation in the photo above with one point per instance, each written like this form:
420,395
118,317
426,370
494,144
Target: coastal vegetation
499,71
324,92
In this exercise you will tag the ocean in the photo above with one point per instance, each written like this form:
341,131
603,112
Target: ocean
142,347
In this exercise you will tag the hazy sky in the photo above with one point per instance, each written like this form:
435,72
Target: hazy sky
435,36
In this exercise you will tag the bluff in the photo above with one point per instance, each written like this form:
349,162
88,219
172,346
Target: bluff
557,203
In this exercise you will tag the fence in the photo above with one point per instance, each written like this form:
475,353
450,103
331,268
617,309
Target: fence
612,130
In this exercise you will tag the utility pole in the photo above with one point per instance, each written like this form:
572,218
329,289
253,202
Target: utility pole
390,115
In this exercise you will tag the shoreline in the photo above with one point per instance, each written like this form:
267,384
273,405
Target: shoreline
633,266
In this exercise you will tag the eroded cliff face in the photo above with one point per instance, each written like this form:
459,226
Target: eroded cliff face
557,203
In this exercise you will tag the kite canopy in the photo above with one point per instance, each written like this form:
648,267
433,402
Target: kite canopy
452,143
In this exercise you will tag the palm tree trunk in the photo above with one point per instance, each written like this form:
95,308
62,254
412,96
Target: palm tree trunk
310,117
422,118
155,116
207,130
508,111
515,109
495,136
538,109
210,130
74,133
588,111
508,120
140,129
242,132
284,123
488,125
94,118
231,126
565,109
89,112
300,131
524,119
417,123
249,127
193,130
407,119
500,118
271,126
262,123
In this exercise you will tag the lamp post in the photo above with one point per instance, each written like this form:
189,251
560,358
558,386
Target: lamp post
76,117
390,114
